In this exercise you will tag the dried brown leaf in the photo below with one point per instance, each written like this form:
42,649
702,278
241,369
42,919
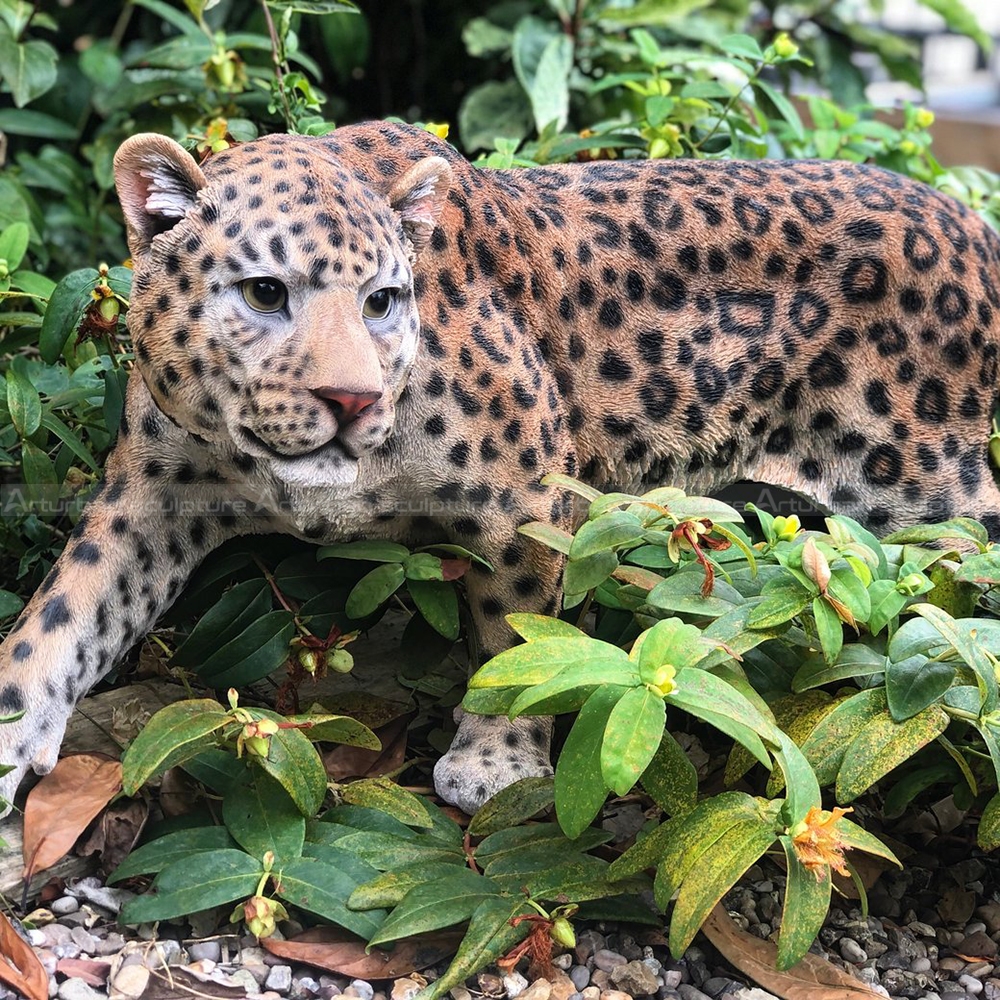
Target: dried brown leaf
19,965
91,971
333,950
812,978
62,805
356,762
115,833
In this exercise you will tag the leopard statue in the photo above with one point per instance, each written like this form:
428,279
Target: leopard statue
363,335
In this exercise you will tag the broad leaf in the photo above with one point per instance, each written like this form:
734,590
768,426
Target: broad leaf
631,738
174,734
261,817
807,902
197,882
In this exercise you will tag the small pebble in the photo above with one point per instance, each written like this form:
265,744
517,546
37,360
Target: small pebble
132,980
63,905
514,984
606,960
279,978
364,990
970,984
77,989
210,951
580,975
852,952
540,989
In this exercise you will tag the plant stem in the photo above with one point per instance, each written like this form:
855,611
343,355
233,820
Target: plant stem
276,56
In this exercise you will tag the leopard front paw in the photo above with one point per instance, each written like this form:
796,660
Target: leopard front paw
488,754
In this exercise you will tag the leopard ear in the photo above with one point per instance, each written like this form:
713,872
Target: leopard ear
157,183
418,196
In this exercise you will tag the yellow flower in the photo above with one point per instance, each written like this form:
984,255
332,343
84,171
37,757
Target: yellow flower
818,844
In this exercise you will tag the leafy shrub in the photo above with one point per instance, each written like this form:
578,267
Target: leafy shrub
725,632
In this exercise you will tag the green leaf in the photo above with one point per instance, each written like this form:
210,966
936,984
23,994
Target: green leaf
541,660
66,304
321,887
36,124
437,601
374,589
988,832
857,839
37,466
682,592
698,689
257,651
580,679
224,621
390,888
28,68
632,735
955,528
490,936
784,107
543,58
385,795
983,568
423,566
315,7
24,403
10,604
178,846
580,790
337,729
261,817
548,534
612,530
532,627
14,239
827,744
779,605
69,438
718,868
962,635
800,781
174,734
670,779
515,840
491,112
652,13
512,805
807,902
373,551
911,685
883,744
197,882
960,19
581,575
433,905
387,852
830,629
856,659
295,764
674,845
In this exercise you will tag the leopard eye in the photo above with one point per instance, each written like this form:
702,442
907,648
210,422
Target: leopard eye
378,304
266,295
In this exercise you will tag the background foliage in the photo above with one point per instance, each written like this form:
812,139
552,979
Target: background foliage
516,82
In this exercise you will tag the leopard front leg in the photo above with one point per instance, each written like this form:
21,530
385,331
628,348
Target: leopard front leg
131,552
489,753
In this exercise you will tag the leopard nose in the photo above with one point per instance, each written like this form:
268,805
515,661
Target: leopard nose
346,405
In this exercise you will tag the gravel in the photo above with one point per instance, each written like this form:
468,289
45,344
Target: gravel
932,934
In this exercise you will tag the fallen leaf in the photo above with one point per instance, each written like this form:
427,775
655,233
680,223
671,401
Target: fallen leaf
179,984
333,950
355,762
91,971
812,978
60,807
115,833
19,966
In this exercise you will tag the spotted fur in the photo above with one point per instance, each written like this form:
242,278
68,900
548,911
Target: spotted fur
828,327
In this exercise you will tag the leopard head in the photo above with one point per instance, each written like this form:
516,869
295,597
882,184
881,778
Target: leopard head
273,306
